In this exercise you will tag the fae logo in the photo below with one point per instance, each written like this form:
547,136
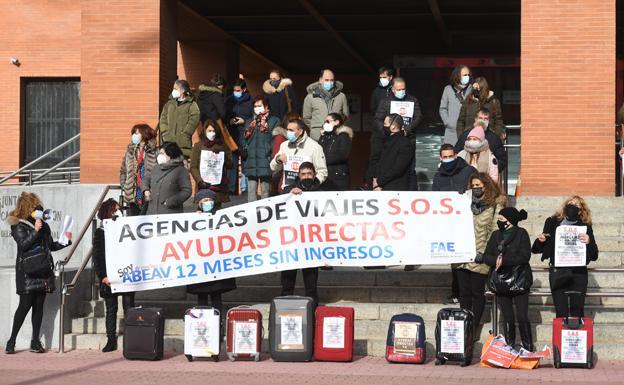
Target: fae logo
442,249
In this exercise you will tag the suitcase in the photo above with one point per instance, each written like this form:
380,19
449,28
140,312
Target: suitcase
244,333
406,340
573,341
201,333
333,333
454,336
144,334
291,328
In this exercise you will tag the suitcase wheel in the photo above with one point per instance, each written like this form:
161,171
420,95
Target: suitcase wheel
215,358
189,357
257,357
231,357
463,364
557,365
440,361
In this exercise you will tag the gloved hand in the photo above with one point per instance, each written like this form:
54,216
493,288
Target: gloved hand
478,258
203,185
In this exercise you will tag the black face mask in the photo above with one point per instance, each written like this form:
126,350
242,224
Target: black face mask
477,192
307,183
274,83
476,93
386,130
502,226
572,212
449,166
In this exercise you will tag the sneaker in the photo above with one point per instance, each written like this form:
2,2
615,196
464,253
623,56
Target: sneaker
451,300
36,347
111,345
10,347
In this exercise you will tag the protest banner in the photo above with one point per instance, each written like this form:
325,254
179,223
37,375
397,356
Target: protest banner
358,228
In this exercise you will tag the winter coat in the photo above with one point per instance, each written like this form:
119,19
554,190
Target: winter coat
178,122
470,106
517,250
495,143
306,148
484,225
318,103
221,189
456,179
26,238
409,125
450,106
129,167
170,186
337,149
547,249
99,262
393,168
483,161
242,108
259,147
211,104
378,95
620,115
279,98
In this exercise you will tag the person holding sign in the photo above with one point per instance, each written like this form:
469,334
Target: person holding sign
393,168
210,161
336,143
568,243
508,252
257,147
402,103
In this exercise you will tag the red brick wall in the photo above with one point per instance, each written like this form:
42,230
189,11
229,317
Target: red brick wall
30,31
567,82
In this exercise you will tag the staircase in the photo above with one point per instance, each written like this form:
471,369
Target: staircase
377,295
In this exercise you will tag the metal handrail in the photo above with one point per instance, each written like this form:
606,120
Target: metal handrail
66,288
39,159
36,170
59,164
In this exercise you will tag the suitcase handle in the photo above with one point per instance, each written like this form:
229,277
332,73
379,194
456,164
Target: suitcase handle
190,313
570,293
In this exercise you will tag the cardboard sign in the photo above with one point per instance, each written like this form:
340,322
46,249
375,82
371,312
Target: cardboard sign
569,250
334,332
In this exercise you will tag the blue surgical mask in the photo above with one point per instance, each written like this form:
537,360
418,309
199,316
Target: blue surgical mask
399,94
328,85
136,139
465,80
291,136
207,206
448,160
238,94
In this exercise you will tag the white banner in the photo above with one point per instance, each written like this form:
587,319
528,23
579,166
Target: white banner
361,228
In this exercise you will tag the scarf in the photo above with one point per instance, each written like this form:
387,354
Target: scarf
261,122
209,143
478,205
140,172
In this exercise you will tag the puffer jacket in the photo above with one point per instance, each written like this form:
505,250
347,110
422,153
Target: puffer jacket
318,103
129,168
178,122
211,103
337,149
169,185
281,99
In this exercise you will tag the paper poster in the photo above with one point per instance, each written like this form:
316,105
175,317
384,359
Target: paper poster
201,333
291,168
569,250
452,336
500,354
245,337
211,166
405,334
68,223
405,109
574,346
334,332
291,331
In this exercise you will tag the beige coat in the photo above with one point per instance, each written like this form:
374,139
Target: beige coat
318,103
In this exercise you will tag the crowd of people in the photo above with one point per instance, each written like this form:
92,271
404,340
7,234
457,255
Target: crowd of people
284,149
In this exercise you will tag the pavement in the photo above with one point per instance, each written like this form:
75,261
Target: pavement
94,368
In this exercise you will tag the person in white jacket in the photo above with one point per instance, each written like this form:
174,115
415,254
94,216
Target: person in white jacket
297,149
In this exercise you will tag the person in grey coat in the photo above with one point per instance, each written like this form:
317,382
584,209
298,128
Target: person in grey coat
323,98
168,186
452,97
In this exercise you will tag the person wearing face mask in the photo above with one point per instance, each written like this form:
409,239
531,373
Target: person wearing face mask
32,282
168,186
239,108
453,173
280,135
257,147
324,97
573,212
109,209
179,117
458,89
211,101
137,163
205,201
211,140
383,90
481,96
494,141
477,152
336,143
487,201
508,252
281,95
392,170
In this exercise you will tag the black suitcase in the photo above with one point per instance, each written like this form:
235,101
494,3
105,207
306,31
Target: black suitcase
291,328
144,334
454,336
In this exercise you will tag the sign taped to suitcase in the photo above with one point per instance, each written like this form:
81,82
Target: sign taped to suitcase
291,330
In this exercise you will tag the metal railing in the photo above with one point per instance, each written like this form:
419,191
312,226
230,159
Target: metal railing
33,177
505,178
66,288
546,293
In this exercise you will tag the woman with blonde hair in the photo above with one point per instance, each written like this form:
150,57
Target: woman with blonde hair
573,212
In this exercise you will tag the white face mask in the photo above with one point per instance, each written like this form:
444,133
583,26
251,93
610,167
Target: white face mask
211,135
328,127
486,122
175,94
384,82
162,159
259,110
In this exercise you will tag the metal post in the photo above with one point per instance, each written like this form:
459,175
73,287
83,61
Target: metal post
30,178
61,333
94,291
494,316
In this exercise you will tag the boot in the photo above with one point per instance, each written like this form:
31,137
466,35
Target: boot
111,345
10,347
36,347
510,333
526,335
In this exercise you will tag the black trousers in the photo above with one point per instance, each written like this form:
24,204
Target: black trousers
215,300
576,281
29,301
310,279
472,293
506,305
127,301
454,284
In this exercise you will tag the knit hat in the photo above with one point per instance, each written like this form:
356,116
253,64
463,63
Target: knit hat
513,215
477,132
204,193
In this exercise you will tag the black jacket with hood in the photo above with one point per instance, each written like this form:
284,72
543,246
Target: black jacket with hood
337,148
211,103
456,179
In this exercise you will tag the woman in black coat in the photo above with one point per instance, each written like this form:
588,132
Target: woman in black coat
574,212
34,243
392,169
508,251
108,209
336,142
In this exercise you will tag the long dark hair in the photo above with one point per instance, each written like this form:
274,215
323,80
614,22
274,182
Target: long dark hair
202,131
492,194
455,77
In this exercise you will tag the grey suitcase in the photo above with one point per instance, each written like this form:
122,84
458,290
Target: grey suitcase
291,329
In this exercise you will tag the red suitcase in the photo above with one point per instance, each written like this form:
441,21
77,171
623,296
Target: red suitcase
244,333
333,333
573,341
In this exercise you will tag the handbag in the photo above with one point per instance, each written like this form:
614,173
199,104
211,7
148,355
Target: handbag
36,262
511,280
